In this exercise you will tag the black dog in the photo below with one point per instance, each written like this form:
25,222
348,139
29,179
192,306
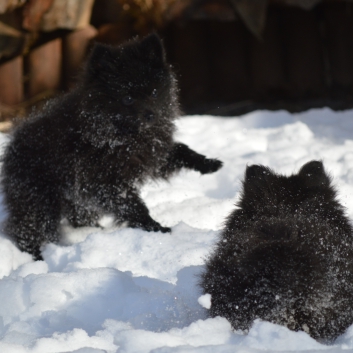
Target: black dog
88,152
286,255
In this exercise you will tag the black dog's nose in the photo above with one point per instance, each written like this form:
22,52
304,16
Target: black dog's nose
148,115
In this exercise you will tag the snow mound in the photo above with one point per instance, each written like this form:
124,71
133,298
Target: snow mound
126,290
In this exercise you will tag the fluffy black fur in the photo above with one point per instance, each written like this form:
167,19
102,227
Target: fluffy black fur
88,152
285,255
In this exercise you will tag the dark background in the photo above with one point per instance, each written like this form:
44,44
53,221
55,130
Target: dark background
230,56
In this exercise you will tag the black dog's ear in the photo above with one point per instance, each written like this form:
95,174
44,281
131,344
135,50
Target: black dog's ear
314,173
256,173
101,57
153,47
257,181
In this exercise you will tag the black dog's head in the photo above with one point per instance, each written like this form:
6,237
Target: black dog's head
131,84
271,194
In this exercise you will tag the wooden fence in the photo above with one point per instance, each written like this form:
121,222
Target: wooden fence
229,58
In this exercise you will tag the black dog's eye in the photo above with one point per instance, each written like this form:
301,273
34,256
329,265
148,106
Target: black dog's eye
128,100
154,93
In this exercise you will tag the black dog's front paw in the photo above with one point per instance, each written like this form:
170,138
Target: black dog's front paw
210,166
37,257
154,226
151,226
162,229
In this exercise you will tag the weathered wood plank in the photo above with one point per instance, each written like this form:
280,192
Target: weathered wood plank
11,81
44,68
75,48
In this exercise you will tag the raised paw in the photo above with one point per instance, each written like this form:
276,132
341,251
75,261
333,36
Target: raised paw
210,165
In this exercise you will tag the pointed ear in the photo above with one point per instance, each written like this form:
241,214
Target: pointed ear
153,47
314,174
101,57
256,173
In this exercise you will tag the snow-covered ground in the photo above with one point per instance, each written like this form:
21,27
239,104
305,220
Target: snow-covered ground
124,290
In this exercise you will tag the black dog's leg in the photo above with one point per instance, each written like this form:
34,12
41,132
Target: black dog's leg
136,213
33,226
79,216
181,156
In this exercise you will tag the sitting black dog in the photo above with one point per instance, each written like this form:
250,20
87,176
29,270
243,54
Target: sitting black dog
285,255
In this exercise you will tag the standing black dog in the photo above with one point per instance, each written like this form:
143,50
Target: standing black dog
88,152
286,255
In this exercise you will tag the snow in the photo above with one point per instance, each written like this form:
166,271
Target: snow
127,290
205,300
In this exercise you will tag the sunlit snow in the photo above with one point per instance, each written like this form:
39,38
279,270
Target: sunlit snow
127,290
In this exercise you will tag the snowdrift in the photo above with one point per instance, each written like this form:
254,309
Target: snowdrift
116,289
